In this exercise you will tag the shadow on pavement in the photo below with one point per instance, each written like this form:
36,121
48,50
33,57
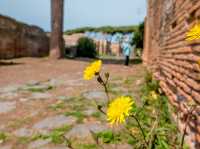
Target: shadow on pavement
9,63
118,61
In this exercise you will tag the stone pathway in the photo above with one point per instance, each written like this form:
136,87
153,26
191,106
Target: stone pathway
46,104
7,106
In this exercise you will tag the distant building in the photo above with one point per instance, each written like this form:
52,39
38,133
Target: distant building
106,44
109,44
71,43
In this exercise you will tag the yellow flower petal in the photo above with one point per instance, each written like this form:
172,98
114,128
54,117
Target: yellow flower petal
92,69
119,109
198,62
154,95
193,33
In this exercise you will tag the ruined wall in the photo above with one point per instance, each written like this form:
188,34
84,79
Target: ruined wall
105,47
72,40
18,39
172,58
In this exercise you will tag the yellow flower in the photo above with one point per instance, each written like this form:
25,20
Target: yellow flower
193,33
92,69
198,62
119,109
153,95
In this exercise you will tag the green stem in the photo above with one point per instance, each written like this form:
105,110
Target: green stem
186,125
141,129
106,91
99,107
104,84
184,133
152,134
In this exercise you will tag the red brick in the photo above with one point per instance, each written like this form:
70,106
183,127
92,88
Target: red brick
165,42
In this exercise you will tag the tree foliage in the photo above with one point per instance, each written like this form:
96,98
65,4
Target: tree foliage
139,36
104,29
86,48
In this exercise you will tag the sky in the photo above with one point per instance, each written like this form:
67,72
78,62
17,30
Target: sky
78,13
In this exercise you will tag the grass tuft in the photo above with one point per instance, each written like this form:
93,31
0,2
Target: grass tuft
79,115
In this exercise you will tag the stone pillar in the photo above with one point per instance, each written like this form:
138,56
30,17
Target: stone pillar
56,41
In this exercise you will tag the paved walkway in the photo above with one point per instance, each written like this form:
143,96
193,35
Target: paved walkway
45,104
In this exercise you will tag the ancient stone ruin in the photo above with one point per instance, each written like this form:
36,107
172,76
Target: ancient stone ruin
18,39
103,46
173,59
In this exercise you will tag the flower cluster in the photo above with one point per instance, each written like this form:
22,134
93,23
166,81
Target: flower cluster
119,108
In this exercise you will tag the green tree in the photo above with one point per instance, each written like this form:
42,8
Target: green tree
139,36
86,48
104,29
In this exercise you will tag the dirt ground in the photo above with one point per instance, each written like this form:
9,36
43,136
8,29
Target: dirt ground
37,93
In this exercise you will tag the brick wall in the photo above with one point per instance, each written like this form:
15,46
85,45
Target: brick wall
172,59
18,39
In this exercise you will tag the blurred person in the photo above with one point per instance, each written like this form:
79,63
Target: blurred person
126,47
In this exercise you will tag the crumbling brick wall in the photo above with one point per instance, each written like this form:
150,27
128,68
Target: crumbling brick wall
18,39
172,59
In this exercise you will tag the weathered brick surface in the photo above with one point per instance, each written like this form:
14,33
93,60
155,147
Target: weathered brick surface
18,39
173,59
